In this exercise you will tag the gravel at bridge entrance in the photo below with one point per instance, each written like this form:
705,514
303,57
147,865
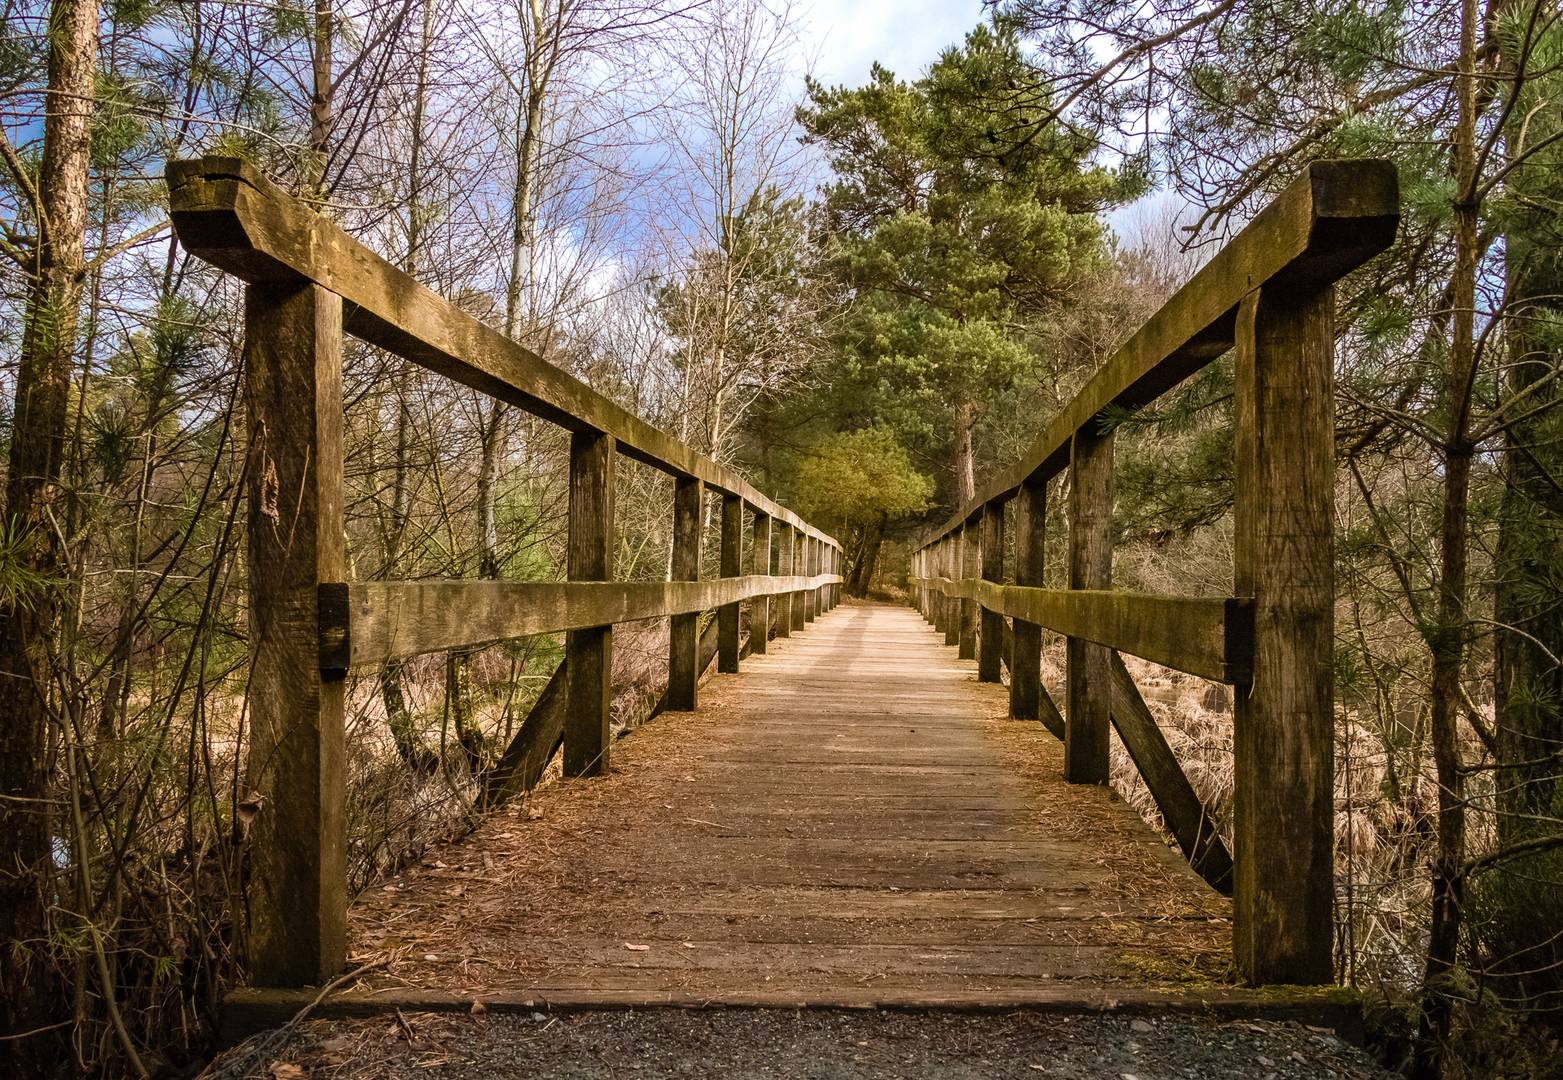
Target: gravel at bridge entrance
818,1044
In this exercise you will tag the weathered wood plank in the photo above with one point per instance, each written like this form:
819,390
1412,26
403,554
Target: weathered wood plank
1087,689
1206,636
588,652
990,631
1284,721
784,567
731,560
297,844
1332,219
372,621
968,540
1185,816
683,676
760,566
228,214
1025,646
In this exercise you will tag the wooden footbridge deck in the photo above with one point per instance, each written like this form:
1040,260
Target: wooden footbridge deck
865,815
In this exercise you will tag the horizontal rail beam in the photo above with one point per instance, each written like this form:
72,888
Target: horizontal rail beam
226,212
374,621
1332,219
1211,637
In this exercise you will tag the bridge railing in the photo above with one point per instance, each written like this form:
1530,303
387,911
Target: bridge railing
1268,294
308,282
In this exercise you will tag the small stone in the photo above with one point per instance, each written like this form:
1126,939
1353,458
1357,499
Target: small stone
1141,1027
539,1017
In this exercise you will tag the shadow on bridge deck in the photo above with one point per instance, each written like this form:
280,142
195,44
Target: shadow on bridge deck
852,821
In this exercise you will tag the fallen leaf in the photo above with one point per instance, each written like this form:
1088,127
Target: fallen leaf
281,1070
478,1008
637,948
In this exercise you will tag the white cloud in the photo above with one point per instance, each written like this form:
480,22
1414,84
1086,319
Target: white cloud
904,35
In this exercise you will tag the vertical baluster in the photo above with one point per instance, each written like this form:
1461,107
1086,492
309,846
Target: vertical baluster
971,567
732,566
588,654
1090,567
784,569
1025,672
990,639
683,643
760,606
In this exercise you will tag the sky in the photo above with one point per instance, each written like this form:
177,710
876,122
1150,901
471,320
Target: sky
904,35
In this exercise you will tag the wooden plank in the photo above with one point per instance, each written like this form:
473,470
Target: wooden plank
226,213
1206,636
971,568
1025,647
1332,219
1185,816
784,566
588,652
683,676
990,631
1284,721
731,566
297,842
1088,684
371,621
760,606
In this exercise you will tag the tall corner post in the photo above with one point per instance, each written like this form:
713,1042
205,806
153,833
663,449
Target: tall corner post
783,601
683,639
971,566
1283,750
1025,669
588,653
990,631
1089,670
732,567
297,934
760,606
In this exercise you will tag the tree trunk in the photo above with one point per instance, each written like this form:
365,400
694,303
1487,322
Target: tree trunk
863,568
1447,638
27,615
965,457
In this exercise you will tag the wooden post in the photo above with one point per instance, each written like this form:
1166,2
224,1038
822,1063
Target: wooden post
683,644
971,566
783,568
588,654
811,569
951,570
298,848
990,634
732,566
1283,810
800,545
760,606
1025,670
1089,712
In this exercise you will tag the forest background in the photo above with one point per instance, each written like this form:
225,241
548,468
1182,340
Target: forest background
867,296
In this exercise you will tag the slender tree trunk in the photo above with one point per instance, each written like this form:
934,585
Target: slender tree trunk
27,619
965,455
868,558
1447,639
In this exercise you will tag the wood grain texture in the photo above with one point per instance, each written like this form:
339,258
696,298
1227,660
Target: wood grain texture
1185,816
1088,680
760,565
854,814
785,541
588,651
1283,752
731,567
297,843
227,213
970,543
990,629
1025,647
683,675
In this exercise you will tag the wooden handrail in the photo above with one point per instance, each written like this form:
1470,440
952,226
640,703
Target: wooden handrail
309,282
1269,294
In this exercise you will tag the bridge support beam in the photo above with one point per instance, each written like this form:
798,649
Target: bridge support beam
1025,663
1284,750
760,606
732,566
683,641
990,634
970,562
298,843
784,567
1089,671
588,654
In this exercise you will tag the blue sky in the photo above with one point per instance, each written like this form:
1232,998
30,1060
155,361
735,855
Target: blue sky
905,36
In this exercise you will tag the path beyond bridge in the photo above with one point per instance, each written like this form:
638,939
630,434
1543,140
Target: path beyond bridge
854,821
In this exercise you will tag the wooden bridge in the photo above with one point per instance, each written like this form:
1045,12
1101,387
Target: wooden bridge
857,818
